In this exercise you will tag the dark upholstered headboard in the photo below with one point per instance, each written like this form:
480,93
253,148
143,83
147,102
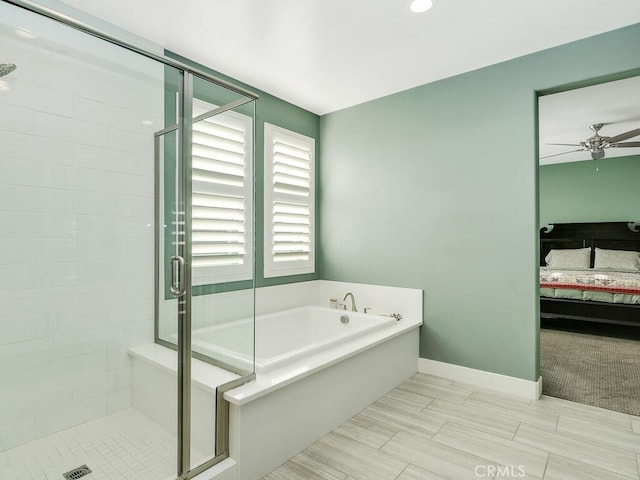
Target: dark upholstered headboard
609,235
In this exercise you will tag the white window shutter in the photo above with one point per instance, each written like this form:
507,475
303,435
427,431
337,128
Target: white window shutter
289,202
222,197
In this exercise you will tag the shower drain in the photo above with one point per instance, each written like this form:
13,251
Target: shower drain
77,473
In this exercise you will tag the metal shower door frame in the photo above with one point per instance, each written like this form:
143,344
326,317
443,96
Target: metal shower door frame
182,292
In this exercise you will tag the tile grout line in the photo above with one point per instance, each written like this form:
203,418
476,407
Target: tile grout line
403,470
515,433
591,439
569,459
388,440
562,411
555,428
546,465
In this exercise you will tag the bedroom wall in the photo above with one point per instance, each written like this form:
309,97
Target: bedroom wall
576,192
436,188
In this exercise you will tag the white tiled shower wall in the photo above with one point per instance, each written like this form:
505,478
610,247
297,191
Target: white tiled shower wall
76,216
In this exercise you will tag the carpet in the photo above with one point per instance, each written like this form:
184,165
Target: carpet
591,369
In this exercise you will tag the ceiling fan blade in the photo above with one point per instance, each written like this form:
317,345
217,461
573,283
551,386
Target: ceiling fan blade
623,136
563,153
626,144
566,144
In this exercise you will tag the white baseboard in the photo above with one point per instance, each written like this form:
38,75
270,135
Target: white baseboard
494,381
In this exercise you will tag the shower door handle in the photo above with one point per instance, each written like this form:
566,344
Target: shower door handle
176,276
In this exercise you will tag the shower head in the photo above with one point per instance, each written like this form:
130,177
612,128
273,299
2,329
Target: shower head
6,68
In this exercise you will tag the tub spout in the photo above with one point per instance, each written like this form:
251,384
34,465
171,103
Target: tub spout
353,301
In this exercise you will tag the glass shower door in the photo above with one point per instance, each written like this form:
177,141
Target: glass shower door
170,290
204,250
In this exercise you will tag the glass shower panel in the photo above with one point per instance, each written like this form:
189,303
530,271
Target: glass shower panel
205,216
77,123
222,230
223,226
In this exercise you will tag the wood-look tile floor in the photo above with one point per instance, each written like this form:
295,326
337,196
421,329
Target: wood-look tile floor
430,428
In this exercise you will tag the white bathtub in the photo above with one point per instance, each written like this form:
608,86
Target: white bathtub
284,337
314,372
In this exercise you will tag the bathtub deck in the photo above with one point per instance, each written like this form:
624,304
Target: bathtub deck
124,445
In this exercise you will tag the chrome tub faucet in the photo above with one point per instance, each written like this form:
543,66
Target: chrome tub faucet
353,301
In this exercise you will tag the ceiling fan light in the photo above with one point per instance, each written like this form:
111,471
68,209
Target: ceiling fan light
420,6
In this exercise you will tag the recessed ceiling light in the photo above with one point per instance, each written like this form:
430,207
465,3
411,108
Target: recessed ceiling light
25,33
147,122
419,6
4,86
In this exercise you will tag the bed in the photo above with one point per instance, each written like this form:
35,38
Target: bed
591,272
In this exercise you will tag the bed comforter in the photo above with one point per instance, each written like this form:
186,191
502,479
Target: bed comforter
589,284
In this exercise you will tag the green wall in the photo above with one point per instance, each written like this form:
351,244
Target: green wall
436,188
577,192
269,109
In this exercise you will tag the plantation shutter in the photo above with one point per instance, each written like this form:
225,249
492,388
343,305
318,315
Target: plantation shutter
222,196
289,205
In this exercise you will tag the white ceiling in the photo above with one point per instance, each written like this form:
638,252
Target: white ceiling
325,55
565,118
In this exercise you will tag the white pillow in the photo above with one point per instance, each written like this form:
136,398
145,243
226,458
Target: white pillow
569,258
617,259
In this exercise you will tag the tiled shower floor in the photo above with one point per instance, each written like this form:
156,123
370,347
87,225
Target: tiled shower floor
123,446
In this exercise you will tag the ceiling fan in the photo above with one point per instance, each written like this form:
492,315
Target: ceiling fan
597,143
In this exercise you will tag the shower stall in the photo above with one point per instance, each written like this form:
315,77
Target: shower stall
126,205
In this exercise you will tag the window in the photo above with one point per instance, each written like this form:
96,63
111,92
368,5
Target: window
289,160
222,196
